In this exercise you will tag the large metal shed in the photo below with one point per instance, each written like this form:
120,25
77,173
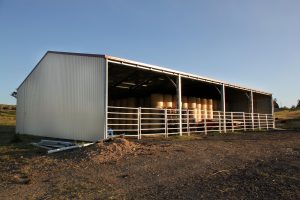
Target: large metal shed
77,96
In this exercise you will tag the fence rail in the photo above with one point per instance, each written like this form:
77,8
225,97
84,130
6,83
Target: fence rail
137,122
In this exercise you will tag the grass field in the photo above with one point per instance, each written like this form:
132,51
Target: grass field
288,119
7,115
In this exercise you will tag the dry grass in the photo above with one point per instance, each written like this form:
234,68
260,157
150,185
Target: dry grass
288,114
288,119
7,115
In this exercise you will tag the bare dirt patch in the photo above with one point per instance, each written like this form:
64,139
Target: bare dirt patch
233,166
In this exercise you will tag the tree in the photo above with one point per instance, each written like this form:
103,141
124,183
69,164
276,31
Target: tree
298,104
276,106
293,107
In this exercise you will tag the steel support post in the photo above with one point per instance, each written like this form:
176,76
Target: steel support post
106,99
223,99
267,122
188,122
205,126
139,123
245,128
258,117
272,109
179,103
232,123
220,123
252,108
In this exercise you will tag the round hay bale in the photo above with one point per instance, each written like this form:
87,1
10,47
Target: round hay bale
215,104
195,114
204,108
157,100
210,114
184,102
199,109
168,103
174,101
192,103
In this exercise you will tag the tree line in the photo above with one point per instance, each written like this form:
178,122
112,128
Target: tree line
293,107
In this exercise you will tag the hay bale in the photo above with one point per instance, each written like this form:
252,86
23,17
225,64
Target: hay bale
199,109
168,101
174,101
210,114
184,102
192,103
204,108
157,100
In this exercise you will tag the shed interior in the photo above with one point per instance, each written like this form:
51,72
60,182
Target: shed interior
127,82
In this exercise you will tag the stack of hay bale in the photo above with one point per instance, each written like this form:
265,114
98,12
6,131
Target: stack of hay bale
198,109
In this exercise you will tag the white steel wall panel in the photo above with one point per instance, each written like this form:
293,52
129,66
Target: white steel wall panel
64,98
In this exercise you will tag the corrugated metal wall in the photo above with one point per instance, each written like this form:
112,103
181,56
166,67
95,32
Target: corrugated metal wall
64,97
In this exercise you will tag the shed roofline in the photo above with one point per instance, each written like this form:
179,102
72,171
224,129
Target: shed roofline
150,67
183,74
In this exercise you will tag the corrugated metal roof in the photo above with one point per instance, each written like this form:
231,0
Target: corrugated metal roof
160,69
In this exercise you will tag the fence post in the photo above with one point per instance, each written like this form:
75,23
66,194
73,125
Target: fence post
205,128
244,120
232,124
166,123
252,119
225,122
220,125
258,117
188,121
139,123
267,122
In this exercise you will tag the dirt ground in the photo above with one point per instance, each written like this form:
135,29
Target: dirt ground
233,166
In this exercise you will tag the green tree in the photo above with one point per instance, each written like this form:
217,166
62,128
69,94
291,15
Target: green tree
298,104
276,105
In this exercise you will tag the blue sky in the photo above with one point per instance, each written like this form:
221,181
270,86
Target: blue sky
253,43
